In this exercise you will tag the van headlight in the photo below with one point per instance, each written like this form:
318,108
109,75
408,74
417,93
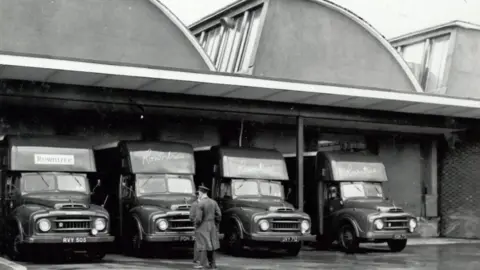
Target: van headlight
305,226
162,224
264,225
378,224
412,224
44,225
100,224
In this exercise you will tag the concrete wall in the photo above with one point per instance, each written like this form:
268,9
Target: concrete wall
405,171
464,75
123,31
303,40
101,128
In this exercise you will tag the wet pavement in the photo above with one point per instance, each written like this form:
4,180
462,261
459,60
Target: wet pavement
444,257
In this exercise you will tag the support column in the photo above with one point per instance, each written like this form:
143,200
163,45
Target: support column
300,148
431,196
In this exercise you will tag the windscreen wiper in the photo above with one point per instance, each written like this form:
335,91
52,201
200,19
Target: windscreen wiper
146,181
76,179
43,179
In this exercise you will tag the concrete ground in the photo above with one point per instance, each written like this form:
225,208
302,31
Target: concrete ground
442,255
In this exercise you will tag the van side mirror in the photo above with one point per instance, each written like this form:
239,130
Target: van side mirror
96,186
12,189
289,192
126,189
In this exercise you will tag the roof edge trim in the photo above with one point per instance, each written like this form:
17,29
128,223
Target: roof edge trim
217,13
217,78
438,27
370,29
185,31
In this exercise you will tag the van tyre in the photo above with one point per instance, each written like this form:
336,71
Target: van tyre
294,249
348,239
14,249
397,245
137,244
233,241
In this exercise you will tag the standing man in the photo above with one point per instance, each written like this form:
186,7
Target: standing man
207,220
193,214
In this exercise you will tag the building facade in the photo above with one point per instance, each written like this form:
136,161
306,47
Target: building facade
444,59
320,41
273,74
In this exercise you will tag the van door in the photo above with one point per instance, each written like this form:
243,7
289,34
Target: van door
127,195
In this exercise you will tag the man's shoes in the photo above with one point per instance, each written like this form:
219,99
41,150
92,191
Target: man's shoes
198,266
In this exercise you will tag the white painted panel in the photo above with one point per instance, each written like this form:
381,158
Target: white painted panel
123,82
168,86
356,103
23,73
389,105
76,78
419,108
323,99
289,96
474,113
251,93
447,110
211,89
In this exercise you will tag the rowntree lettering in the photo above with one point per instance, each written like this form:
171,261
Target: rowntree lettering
359,170
255,168
151,156
47,159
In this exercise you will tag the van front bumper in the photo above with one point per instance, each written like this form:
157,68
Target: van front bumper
67,239
279,238
176,237
387,235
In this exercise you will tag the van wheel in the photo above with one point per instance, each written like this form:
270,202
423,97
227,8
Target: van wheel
397,245
137,244
294,249
233,240
348,239
14,248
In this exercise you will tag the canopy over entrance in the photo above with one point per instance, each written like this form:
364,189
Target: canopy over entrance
136,78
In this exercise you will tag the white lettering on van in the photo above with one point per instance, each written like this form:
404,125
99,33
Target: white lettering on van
48,159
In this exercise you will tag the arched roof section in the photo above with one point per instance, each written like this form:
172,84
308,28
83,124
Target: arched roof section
130,32
317,40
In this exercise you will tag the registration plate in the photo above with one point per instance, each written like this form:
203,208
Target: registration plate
187,238
290,239
74,240
399,236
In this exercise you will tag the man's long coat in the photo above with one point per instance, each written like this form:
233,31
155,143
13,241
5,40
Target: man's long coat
207,220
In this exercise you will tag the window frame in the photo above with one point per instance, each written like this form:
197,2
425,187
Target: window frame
241,56
426,57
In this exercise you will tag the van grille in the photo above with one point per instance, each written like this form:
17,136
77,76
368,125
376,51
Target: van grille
72,224
180,223
285,225
396,223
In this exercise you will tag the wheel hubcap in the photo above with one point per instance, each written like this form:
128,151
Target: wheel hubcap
136,242
347,238
233,239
